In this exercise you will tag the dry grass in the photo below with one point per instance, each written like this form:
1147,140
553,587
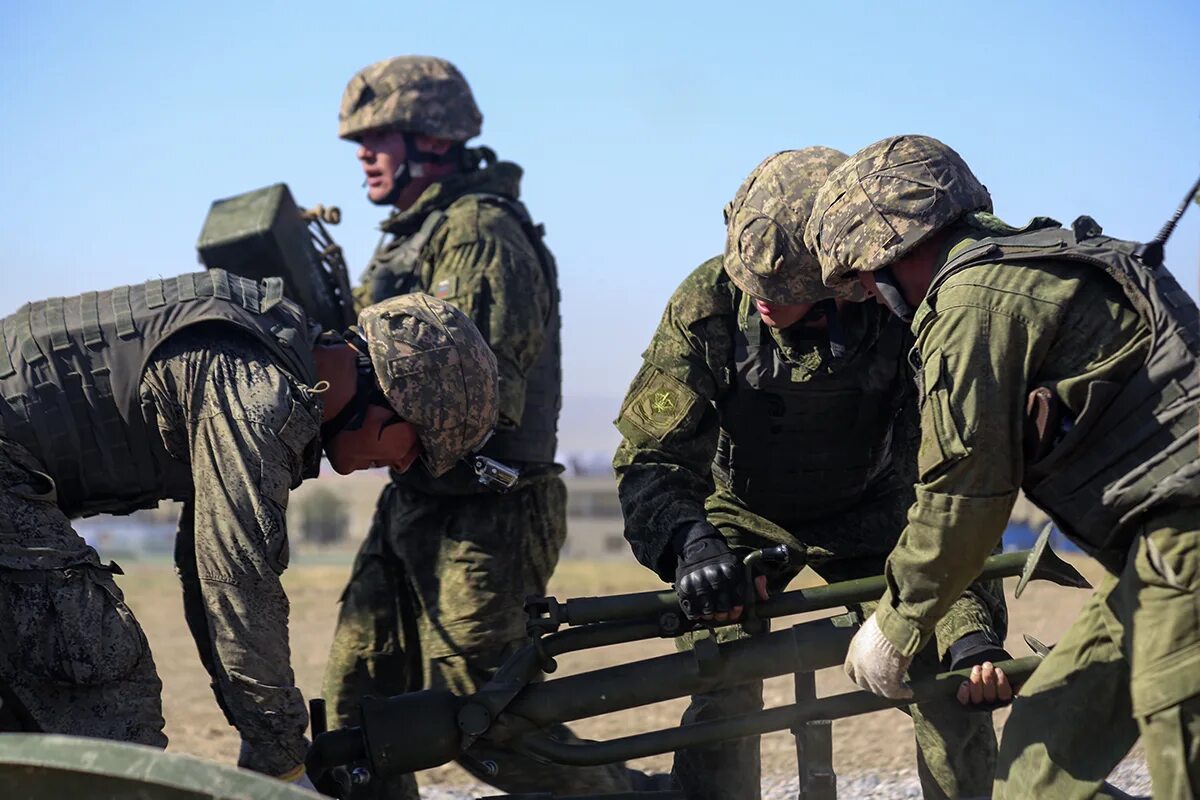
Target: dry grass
195,725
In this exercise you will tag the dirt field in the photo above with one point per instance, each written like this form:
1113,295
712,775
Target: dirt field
195,725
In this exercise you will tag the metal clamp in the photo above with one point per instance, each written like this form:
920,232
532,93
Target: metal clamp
493,474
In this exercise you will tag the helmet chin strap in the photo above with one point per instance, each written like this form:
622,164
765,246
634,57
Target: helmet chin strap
366,393
409,171
889,290
828,309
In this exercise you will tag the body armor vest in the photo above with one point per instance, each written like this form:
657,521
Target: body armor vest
797,450
1134,445
71,368
394,270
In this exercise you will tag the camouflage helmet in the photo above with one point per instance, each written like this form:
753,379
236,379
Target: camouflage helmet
438,374
417,94
887,199
764,242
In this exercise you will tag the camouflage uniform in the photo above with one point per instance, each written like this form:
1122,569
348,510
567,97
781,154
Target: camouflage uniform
232,419
195,388
995,325
437,591
843,512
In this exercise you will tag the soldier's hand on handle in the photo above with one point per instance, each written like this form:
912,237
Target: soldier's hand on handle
986,689
709,578
875,664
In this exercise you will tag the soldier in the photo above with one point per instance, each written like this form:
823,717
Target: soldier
764,414
437,591
1065,363
211,389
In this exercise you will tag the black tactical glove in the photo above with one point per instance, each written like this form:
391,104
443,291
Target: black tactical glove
709,578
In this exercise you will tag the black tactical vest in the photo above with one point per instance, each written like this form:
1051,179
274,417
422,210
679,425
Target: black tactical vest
795,450
70,371
394,270
1134,445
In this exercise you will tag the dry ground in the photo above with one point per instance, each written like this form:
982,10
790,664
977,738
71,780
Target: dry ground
875,743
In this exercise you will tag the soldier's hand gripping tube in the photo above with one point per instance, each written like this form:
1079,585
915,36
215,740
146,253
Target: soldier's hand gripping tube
708,579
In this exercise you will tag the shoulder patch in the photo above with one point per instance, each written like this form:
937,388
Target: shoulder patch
445,288
660,405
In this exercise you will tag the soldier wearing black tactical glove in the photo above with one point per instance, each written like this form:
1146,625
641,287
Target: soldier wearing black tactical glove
709,578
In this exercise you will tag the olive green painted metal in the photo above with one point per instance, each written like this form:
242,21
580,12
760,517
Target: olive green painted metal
837,706
814,746
263,233
1036,646
1035,557
806,647
1044,565
41,766
514,705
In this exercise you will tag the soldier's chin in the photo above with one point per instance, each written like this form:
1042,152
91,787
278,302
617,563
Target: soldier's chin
378,195
340,463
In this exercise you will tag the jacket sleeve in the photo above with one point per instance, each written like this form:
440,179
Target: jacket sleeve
247,428
975,366
669,428
488,268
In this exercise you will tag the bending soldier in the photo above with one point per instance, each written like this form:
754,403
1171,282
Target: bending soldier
1099,342
210,389
772,410
436,595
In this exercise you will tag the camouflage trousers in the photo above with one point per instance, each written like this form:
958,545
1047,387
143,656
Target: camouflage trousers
71,651
436,601
1129,666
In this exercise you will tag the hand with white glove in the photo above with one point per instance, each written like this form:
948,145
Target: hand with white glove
875,665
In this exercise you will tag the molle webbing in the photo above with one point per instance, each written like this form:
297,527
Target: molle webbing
394,270
795,449
71,370
536,439
1133,445
394,267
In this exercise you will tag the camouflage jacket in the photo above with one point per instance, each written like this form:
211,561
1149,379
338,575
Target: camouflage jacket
665,462
996,331
479,258
243,425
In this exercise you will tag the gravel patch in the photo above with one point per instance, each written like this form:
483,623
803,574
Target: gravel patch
1131,776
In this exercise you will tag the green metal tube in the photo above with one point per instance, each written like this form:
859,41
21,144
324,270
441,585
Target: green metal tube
586,610
941,687
803,648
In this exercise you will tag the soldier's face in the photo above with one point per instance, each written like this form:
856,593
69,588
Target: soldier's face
381,153
376,444
912,273
781,315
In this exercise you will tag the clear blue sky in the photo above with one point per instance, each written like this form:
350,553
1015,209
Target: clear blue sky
635,123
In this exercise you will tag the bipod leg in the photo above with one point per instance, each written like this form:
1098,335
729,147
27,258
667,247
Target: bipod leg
814,747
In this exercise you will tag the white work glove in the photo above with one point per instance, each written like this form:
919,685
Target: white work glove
875,665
